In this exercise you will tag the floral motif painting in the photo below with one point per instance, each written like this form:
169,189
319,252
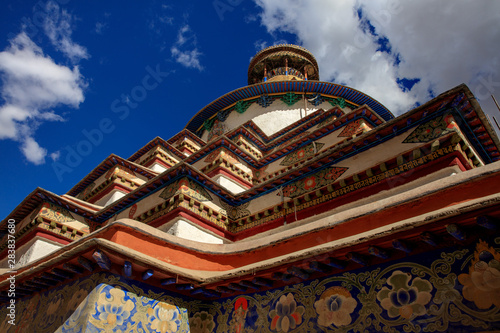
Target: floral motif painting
452,290
235,212
302,153
56,213
432,129
403,299
482,282
202,322
335,307
188,187
354,128
320,179
286,316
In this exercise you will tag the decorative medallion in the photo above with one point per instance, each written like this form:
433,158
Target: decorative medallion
260,173
405,300
302,153
286,316
188,187
432,129
235,212
335,307
482,284
320,179
202,322
132,211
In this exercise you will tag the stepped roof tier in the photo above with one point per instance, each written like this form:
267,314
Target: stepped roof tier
287,193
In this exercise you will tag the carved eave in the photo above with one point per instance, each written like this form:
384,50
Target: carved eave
186,142
222,141
283,87
36,198
371,234
105,166
178,171
156,142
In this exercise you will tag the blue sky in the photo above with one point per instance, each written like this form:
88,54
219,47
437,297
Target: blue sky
106,77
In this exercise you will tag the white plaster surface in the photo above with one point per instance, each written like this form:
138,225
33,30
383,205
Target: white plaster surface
110,198
31,251
158,168
229,184
185,229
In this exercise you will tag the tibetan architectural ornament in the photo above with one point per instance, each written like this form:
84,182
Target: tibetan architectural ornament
288,205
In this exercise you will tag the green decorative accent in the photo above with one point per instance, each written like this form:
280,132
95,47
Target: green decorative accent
290,98
337,101
207,125
242,106
342,103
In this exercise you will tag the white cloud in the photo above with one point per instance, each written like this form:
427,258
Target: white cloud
184,50
55,155
33,152
99,27
57,26
33,84
372,45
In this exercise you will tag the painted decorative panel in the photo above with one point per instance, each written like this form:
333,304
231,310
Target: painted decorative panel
302,153
354,128
455,290
313,182
188,187
432,129
56,213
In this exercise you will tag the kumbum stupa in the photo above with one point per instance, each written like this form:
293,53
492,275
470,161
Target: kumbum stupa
287,205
